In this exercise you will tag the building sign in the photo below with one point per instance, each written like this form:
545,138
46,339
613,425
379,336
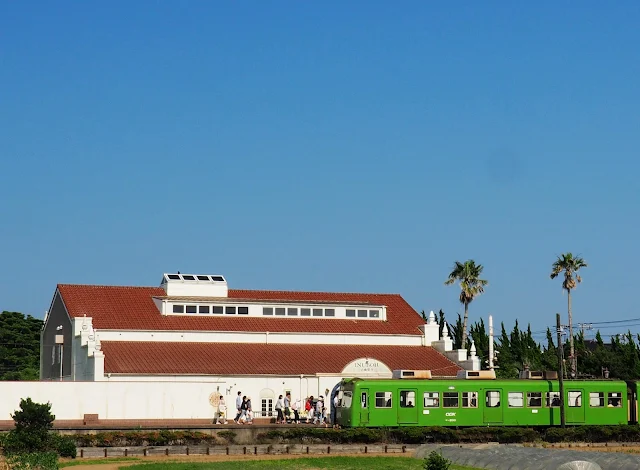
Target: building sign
366,367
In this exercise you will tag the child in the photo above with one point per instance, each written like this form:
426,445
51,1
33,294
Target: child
222,412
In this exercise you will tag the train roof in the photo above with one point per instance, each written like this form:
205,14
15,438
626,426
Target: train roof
567,382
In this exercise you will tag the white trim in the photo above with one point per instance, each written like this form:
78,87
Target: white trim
266,337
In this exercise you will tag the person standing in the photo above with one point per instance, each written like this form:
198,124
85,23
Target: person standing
222,411
279,406
287,407
296,407
309,408
249,411
334,409
238,407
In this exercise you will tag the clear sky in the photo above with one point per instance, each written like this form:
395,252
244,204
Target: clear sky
329,146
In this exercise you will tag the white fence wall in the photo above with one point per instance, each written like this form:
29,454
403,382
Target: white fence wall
154,399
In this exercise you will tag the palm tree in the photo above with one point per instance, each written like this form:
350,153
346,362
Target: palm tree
468,274
570,265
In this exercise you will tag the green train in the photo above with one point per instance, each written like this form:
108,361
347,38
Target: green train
478,399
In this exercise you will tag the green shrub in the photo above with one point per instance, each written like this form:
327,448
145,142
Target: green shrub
64,446
228,436
34,461
436,461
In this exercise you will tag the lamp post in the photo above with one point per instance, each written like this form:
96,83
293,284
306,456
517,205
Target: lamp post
60,341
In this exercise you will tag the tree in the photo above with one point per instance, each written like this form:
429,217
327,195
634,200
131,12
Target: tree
455,332
33,422
468,275
549,357
19,346
507,368
570,265
480,337
441,322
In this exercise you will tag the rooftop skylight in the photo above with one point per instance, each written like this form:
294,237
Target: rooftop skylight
198,278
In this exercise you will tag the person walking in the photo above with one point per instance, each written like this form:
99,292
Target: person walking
279,406
243,411
238,408
249,411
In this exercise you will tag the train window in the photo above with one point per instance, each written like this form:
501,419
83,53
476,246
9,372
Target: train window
492,398
431,399
534,399
383,399
450,399
364,399
575,398
469,400
614,400
596,399
553,399
346,399
515,399
407,399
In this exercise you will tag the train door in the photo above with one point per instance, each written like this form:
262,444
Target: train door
492,406
408,409
364,406
575,406
632,401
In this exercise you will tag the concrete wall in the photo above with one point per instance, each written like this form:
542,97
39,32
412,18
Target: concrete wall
50,363
153,400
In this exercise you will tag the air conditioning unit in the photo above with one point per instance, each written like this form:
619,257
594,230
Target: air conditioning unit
411,374
532,374
551,375
477,374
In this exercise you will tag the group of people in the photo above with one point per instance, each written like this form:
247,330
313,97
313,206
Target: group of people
288,411
313,411
244,413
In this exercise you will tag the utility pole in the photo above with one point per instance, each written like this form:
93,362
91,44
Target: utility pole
491,342
560,369
585,326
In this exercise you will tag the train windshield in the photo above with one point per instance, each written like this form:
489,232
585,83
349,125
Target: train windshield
346,399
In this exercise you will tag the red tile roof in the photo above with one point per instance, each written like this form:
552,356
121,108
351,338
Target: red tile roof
124,357
132,308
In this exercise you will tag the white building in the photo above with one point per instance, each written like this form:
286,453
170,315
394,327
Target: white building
169,352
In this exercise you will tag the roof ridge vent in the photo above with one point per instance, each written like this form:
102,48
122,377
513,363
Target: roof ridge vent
194,285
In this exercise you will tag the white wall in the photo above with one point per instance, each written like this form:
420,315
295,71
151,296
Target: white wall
152,399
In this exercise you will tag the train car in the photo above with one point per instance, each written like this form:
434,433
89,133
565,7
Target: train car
480,401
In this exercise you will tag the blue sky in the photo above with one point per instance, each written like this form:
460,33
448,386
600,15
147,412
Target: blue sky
335,146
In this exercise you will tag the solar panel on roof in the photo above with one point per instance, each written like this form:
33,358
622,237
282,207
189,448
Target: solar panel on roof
217,278
188,277
203,278
174,277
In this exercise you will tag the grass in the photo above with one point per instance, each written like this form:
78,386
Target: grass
76,462
306,463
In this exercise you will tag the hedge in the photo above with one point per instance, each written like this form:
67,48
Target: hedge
404,435
152,438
